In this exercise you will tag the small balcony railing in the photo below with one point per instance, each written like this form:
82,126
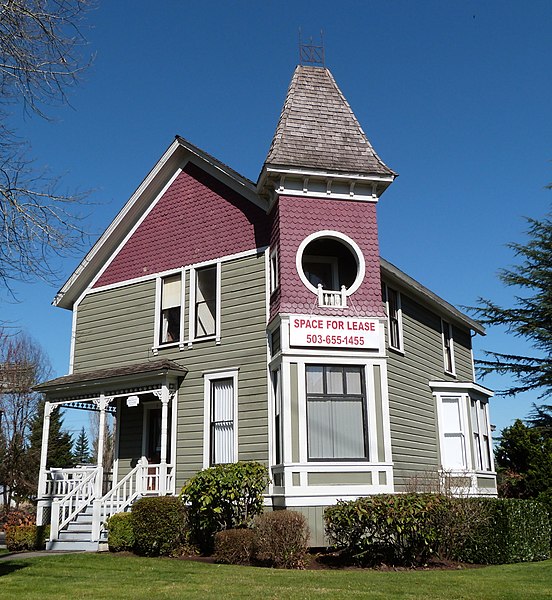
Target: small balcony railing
332,298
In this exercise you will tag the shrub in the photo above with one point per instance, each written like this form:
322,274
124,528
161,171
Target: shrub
234,546
26,537
223,497
281,539
509,530
120,532
19,516
394,529
159,526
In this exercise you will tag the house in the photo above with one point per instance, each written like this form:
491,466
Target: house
224,320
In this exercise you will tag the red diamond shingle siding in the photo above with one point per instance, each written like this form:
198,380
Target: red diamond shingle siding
197,219
299,217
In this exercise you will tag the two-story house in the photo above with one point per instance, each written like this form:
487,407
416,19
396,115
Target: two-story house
221,320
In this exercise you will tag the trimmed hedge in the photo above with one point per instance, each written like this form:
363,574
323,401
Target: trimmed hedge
226,496
510,530
26,537
159,525
120,532
392,529
281,539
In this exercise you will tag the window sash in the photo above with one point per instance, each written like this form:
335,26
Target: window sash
170,311
205,301
448,352
222,421
336,419
393,317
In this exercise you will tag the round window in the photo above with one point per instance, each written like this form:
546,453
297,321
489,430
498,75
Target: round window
330,261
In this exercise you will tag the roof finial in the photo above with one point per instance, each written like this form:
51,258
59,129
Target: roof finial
310,53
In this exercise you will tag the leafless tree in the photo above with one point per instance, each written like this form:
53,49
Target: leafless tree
23,364
41,57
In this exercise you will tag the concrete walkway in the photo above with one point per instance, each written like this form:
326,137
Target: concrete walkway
36,554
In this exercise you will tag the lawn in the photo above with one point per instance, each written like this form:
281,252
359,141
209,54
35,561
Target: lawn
110,577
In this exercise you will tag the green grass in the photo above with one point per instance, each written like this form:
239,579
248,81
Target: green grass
110,577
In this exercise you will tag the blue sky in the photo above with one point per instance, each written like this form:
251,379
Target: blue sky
454,96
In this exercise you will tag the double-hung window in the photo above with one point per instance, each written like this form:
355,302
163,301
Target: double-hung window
392,299
448,347
206,299
274,271
220,417
336,412
453,439
171,309
481,438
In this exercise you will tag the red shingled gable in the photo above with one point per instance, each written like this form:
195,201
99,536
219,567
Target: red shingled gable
197,219
299,217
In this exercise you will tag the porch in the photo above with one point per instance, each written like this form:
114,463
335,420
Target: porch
77,502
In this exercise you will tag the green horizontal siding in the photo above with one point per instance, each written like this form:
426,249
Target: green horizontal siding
414,435
115,327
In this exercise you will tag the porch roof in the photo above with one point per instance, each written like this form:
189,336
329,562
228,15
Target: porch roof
149,369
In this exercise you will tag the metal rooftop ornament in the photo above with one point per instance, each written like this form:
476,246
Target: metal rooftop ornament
310,53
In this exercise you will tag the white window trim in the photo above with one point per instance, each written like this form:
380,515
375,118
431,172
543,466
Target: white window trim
482,431
157,320
451,345
208,378
400,347
274,271
463,401
344,239
192,312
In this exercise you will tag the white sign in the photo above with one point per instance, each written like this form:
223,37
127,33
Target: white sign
336,332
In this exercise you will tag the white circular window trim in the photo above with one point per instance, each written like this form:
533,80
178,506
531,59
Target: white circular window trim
347,241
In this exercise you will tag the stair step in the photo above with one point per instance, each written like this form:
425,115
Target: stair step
74,545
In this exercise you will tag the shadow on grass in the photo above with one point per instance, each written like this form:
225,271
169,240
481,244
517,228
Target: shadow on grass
9,567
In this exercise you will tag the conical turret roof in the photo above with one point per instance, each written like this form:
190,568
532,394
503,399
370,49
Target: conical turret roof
318,130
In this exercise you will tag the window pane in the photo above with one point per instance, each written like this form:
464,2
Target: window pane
315,380
206,294
334,380
348,429
319,429
353,380
170,325
171,291
474,419
222,421
454,451
319,272
451,415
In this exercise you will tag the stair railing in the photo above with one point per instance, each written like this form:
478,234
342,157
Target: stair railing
70,505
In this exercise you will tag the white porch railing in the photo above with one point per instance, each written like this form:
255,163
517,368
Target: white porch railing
60,482
78,497
334,298
144,479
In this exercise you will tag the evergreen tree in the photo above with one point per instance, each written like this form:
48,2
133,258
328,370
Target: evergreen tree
530,318
60,443
81,453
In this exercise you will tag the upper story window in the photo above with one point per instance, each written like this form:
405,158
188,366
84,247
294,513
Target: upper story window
392,299
206,301
331,265
274,271
171,309
448,347
336,414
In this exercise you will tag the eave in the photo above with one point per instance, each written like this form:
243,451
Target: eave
175,157
395,276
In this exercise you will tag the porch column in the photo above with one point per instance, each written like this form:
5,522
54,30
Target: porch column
165,397
42,476
101,403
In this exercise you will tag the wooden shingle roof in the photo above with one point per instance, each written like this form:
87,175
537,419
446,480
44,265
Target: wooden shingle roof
317,129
